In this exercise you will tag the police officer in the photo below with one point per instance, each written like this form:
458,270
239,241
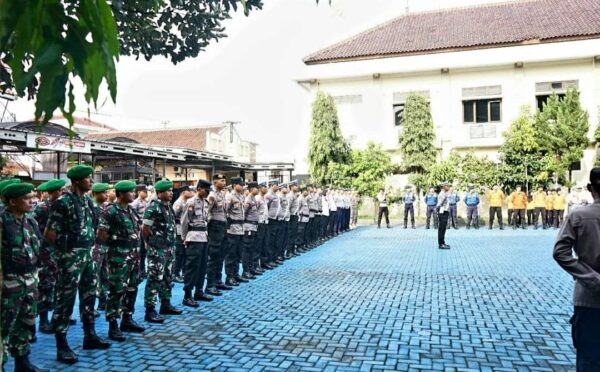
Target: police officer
472,201
409,199
303,220
234,210
47,257
262,234
293,223
284,218
217,243
179,263
20,250
71,229
118,230
99,199
312,207
139,205
453,199
194,232
273,208
431,200
159,231
442,208
251,218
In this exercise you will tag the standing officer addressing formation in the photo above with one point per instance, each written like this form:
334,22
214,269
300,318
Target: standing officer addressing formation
409,199
383,208
118,229
577,251
159,232
443,211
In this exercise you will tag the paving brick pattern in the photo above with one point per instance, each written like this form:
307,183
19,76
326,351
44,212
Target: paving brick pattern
369,300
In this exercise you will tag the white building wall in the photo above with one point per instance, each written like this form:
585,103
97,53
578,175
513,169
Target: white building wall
372,117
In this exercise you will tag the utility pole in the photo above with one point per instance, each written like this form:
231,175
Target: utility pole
407,7
231,128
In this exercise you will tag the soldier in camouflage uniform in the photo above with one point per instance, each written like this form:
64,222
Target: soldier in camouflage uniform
234,210
99,198
159,231
3,184
47,258
71,229
20,248
118,229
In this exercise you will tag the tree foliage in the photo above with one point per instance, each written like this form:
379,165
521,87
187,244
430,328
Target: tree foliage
462,170
46,45
365,172
416,139
326,143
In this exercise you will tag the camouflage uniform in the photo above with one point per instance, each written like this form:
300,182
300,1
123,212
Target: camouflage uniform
161,244
20,249
72,219
99,255
47,260
122,227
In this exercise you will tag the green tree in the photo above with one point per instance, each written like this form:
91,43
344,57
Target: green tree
563,127
365,171
326,143
445,170
416,139
45,46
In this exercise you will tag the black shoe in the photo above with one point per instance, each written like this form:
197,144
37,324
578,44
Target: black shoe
455,228
490,227
33,339
178,279
389,227
224,287
242,279
256,273
64,353
231,283
379,227
91,341
102,304
199,296
167,309
45,326
114,332
22,364
427,227
267,266
153,317
213,291
130,325
413,226
444,246
248,276
501,227
190,302
288,256
279,260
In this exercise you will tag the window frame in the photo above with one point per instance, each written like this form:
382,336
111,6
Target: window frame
474,101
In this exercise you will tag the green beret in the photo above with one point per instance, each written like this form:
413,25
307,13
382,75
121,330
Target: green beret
16,190
163,185
42,186
7,182
79,172
99,187
54,185
125,186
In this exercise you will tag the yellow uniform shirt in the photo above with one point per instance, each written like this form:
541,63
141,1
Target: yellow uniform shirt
539,199
495,198
560,202
549,202
518,200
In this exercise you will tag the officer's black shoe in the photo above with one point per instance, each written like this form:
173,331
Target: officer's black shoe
102,304
190,302
389,227
114,333
231,283
455,228
213,291
295,254
130,325
153,317
22,364
33,339
224,287
288,256
444,246
199,296
266,266
64,353
279,260
490,227
91,341
257,272
405,227
45,326
501,227
247,276
167,309
427,227
413,226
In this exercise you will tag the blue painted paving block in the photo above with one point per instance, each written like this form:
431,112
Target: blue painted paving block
371,299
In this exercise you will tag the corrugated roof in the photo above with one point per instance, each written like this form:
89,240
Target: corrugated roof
190,138
465,28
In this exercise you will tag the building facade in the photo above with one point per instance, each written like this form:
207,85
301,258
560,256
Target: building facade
477,67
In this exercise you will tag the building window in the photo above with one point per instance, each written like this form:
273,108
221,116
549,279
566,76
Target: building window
543,99
482,110
398,114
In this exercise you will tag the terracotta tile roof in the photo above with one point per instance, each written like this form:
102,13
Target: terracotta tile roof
475,27
190,138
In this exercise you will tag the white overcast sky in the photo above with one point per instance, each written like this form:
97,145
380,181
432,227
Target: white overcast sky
247,77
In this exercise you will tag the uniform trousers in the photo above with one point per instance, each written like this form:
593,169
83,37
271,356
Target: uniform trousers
518,218
292,234
432,212
473,216
382,211
196,264
249,250
585,330
217,249
495,212
442,227
261,253
453,211
409,209
537,212
234,256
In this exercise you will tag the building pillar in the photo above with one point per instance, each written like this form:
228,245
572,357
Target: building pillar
58,164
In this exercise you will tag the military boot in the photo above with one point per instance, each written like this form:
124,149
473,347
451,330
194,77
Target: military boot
130,325
22,364
167,309
91,341
102,304
45,326
63,351
153,317
114,333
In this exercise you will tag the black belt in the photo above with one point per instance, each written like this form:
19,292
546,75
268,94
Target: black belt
197,228
251,222
314,210
236,222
